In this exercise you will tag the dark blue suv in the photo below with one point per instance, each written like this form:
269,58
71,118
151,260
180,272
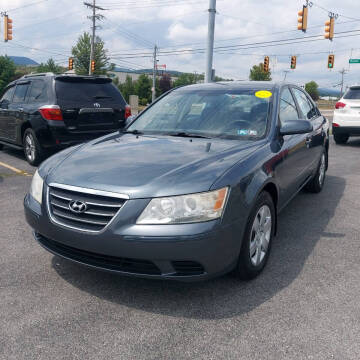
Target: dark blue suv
44,112
191,189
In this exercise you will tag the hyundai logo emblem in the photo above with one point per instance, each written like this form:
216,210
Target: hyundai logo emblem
77,206
97,105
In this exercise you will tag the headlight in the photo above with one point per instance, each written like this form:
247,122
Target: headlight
36,188
185,208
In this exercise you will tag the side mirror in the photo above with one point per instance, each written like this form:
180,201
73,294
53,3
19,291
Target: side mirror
296,127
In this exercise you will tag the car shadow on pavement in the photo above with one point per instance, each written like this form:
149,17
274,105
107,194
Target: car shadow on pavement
301,225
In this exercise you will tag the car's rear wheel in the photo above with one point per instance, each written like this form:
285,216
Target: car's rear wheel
33,151
258,237
341,138
316,184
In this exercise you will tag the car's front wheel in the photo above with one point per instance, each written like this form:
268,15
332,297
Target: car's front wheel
341,138
33,151
258,237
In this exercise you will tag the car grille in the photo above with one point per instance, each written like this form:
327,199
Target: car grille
186,268
98,214
128,265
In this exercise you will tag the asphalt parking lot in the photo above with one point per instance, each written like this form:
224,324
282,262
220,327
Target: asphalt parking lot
305,305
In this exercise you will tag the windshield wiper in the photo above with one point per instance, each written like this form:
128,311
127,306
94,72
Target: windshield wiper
135,132
190,135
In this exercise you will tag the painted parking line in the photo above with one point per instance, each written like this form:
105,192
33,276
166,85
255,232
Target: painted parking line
14,169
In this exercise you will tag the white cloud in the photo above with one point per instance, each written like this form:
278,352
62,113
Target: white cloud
53,26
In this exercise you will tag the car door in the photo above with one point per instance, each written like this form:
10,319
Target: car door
16,107
4,112
318,136
315,139
291,172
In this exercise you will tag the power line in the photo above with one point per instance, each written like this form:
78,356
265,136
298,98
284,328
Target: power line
24,6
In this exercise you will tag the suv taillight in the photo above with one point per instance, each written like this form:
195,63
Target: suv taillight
339,105
127,111
51,112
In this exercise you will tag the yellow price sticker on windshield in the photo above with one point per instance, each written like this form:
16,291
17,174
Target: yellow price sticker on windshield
263,94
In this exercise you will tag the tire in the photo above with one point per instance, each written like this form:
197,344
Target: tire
341,138
1,146
256,244
316,184
33,151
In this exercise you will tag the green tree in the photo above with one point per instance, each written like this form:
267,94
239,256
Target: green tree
257,73
127,88
49,66
312,89
186,79
143,89
81,54
7,71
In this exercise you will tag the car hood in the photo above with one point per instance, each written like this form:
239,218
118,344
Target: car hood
149,166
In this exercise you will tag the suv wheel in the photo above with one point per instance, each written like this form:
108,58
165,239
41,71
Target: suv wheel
316,184
341,138
257,240
32,149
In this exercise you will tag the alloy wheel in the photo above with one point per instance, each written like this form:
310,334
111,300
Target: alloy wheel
322,169
260,235
30,147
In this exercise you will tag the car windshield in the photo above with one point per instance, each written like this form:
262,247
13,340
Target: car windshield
240,114
353,93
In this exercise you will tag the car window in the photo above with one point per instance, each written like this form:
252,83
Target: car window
37,91
20,93
288,109
8,95
304,104
72,92
353,93
240,114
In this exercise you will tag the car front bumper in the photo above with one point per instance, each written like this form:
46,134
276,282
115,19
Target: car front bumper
185,252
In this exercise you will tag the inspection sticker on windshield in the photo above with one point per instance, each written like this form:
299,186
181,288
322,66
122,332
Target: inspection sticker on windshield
245,132
263,94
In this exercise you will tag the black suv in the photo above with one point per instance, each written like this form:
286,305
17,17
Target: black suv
39,112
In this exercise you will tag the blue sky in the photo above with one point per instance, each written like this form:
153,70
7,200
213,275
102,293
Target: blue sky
49,28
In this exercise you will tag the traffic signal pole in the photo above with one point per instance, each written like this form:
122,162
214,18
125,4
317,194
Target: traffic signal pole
93,18
92,38
210,41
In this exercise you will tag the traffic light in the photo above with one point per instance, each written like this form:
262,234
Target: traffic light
293,62
266,64
92,65
71,63
331,59
302,19
7,28
329,28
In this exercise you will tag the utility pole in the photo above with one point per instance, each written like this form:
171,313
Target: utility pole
154,75
210,41
94,17
342,72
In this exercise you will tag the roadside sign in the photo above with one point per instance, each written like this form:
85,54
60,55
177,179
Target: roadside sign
354,61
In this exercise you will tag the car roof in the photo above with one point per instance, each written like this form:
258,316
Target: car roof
236,85
54,76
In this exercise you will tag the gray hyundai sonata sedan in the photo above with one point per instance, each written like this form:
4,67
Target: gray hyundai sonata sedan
190,189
